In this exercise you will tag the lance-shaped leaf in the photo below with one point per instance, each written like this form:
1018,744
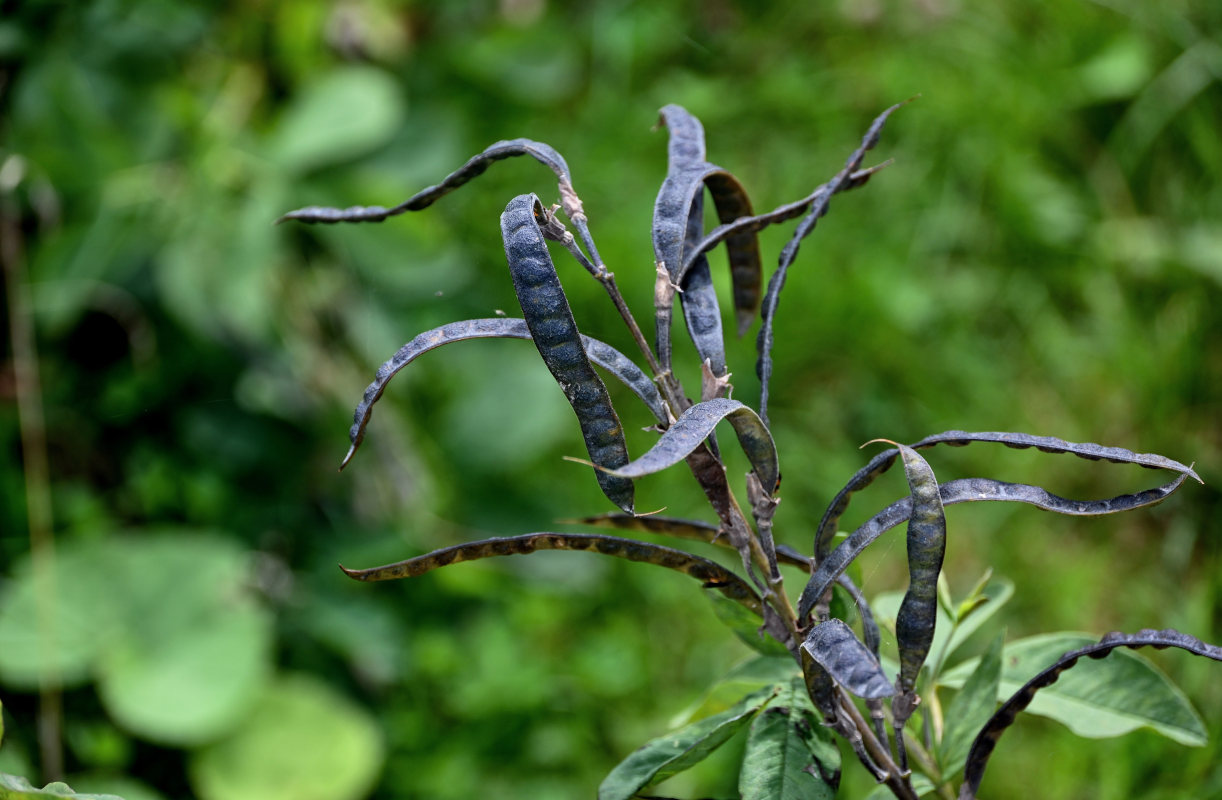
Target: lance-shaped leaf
1048,444
709,573
967,490
776,283
914,627
835,647
601,353
687,529
971,708
695,425
987,739
790,754
680,750
554,332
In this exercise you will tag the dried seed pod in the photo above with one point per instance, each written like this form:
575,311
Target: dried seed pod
967,490
695,425
600,353
709,573
986,740
834,646
1048,444
914,626
543,153
703,532
551,325
678,224
777,282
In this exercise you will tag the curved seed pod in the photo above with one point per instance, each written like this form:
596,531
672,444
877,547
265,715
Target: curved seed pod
554,332
749,224
914,625
474,167
968,490
695,425
834,646
686,143
703,532
1048,444
601,353
709,573
986,740
776,283
678,224
543,153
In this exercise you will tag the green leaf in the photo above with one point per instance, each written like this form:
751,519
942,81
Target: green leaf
347,113
82,616
303,741
13,787
1101,698
790,754
193,685
749,676
745,625
971,708
669,755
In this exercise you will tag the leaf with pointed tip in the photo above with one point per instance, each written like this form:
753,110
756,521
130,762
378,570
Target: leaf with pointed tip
710,573
601,353
695,425
1048,444
967,490
914,627
683,529
14,787
987,739
776,283
554,333
680,750
835,647
790,754
970,709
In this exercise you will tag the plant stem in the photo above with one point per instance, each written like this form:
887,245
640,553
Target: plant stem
37,482
898,781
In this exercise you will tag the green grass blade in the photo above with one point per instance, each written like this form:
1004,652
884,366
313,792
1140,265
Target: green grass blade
1118,693
709,573
554,333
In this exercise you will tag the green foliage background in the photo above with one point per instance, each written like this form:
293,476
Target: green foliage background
1045,255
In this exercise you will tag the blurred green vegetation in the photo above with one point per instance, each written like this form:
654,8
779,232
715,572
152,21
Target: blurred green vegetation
1045,255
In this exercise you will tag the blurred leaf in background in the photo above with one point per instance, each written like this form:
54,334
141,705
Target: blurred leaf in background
1043,256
